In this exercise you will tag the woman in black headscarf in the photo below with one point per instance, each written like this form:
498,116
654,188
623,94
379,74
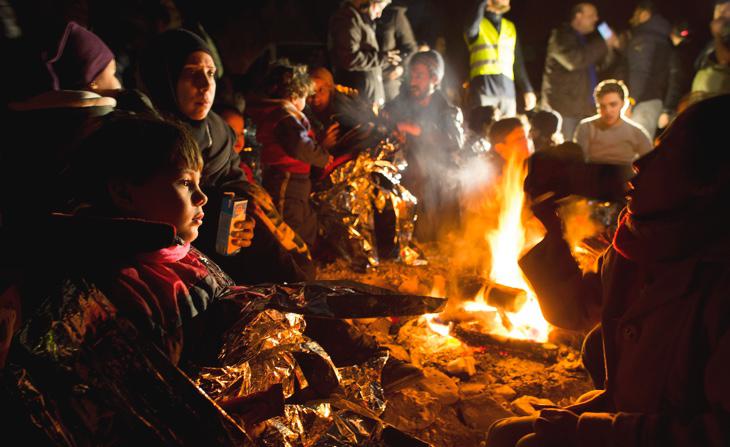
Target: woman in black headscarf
177,72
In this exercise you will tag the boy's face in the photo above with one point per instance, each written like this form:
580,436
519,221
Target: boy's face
319,101
196,86
299,102
173,198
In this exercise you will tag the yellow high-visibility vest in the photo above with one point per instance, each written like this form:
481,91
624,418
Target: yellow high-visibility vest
493,53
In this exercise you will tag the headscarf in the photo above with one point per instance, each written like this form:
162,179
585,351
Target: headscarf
160,68
80,57
161,65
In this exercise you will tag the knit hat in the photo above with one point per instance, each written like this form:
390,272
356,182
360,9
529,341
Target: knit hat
80,57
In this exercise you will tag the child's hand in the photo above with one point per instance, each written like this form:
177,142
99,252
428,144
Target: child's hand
243,235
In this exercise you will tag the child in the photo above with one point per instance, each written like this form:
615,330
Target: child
150,170
289,146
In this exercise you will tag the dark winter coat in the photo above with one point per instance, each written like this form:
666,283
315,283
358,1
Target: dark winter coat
648,55
681,71
355,54
566,83
666,334
394,32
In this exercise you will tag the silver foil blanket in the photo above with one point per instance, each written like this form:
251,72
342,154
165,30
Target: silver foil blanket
359,188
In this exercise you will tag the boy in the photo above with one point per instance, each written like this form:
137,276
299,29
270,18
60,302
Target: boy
150,170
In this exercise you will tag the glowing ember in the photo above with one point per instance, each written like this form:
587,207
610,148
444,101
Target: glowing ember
438,290
439,328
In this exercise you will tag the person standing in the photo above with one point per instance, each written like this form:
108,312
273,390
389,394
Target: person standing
354,51
290,147
434,137
648,55
495,59
394,32
575,52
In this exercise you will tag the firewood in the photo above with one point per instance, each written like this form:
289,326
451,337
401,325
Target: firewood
472,336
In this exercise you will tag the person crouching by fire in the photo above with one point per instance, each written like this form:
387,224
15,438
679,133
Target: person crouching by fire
290,148
661,295
434,137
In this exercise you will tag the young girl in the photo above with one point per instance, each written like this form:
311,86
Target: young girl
290,148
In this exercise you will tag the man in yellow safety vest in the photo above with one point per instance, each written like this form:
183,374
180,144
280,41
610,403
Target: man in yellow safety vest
495,59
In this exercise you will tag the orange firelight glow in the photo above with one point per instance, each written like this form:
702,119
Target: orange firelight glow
506,241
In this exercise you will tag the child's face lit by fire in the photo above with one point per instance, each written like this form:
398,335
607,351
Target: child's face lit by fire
172,197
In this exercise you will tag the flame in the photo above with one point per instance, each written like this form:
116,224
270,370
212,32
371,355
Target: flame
506,243
495,225
439,328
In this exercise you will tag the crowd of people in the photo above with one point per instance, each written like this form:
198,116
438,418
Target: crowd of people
152,159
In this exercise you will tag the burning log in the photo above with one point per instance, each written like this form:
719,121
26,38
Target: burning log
505,298
472,335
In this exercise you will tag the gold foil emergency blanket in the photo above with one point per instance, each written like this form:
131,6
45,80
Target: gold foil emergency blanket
361,186
101,383
257,353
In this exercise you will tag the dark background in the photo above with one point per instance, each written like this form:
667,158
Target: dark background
244,29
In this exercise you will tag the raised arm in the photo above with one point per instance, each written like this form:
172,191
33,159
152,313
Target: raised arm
473,19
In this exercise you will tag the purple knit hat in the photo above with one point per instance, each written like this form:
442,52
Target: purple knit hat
81,56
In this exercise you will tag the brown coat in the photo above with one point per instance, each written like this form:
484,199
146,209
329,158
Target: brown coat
666,335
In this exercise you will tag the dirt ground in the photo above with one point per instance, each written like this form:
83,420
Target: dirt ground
465,388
